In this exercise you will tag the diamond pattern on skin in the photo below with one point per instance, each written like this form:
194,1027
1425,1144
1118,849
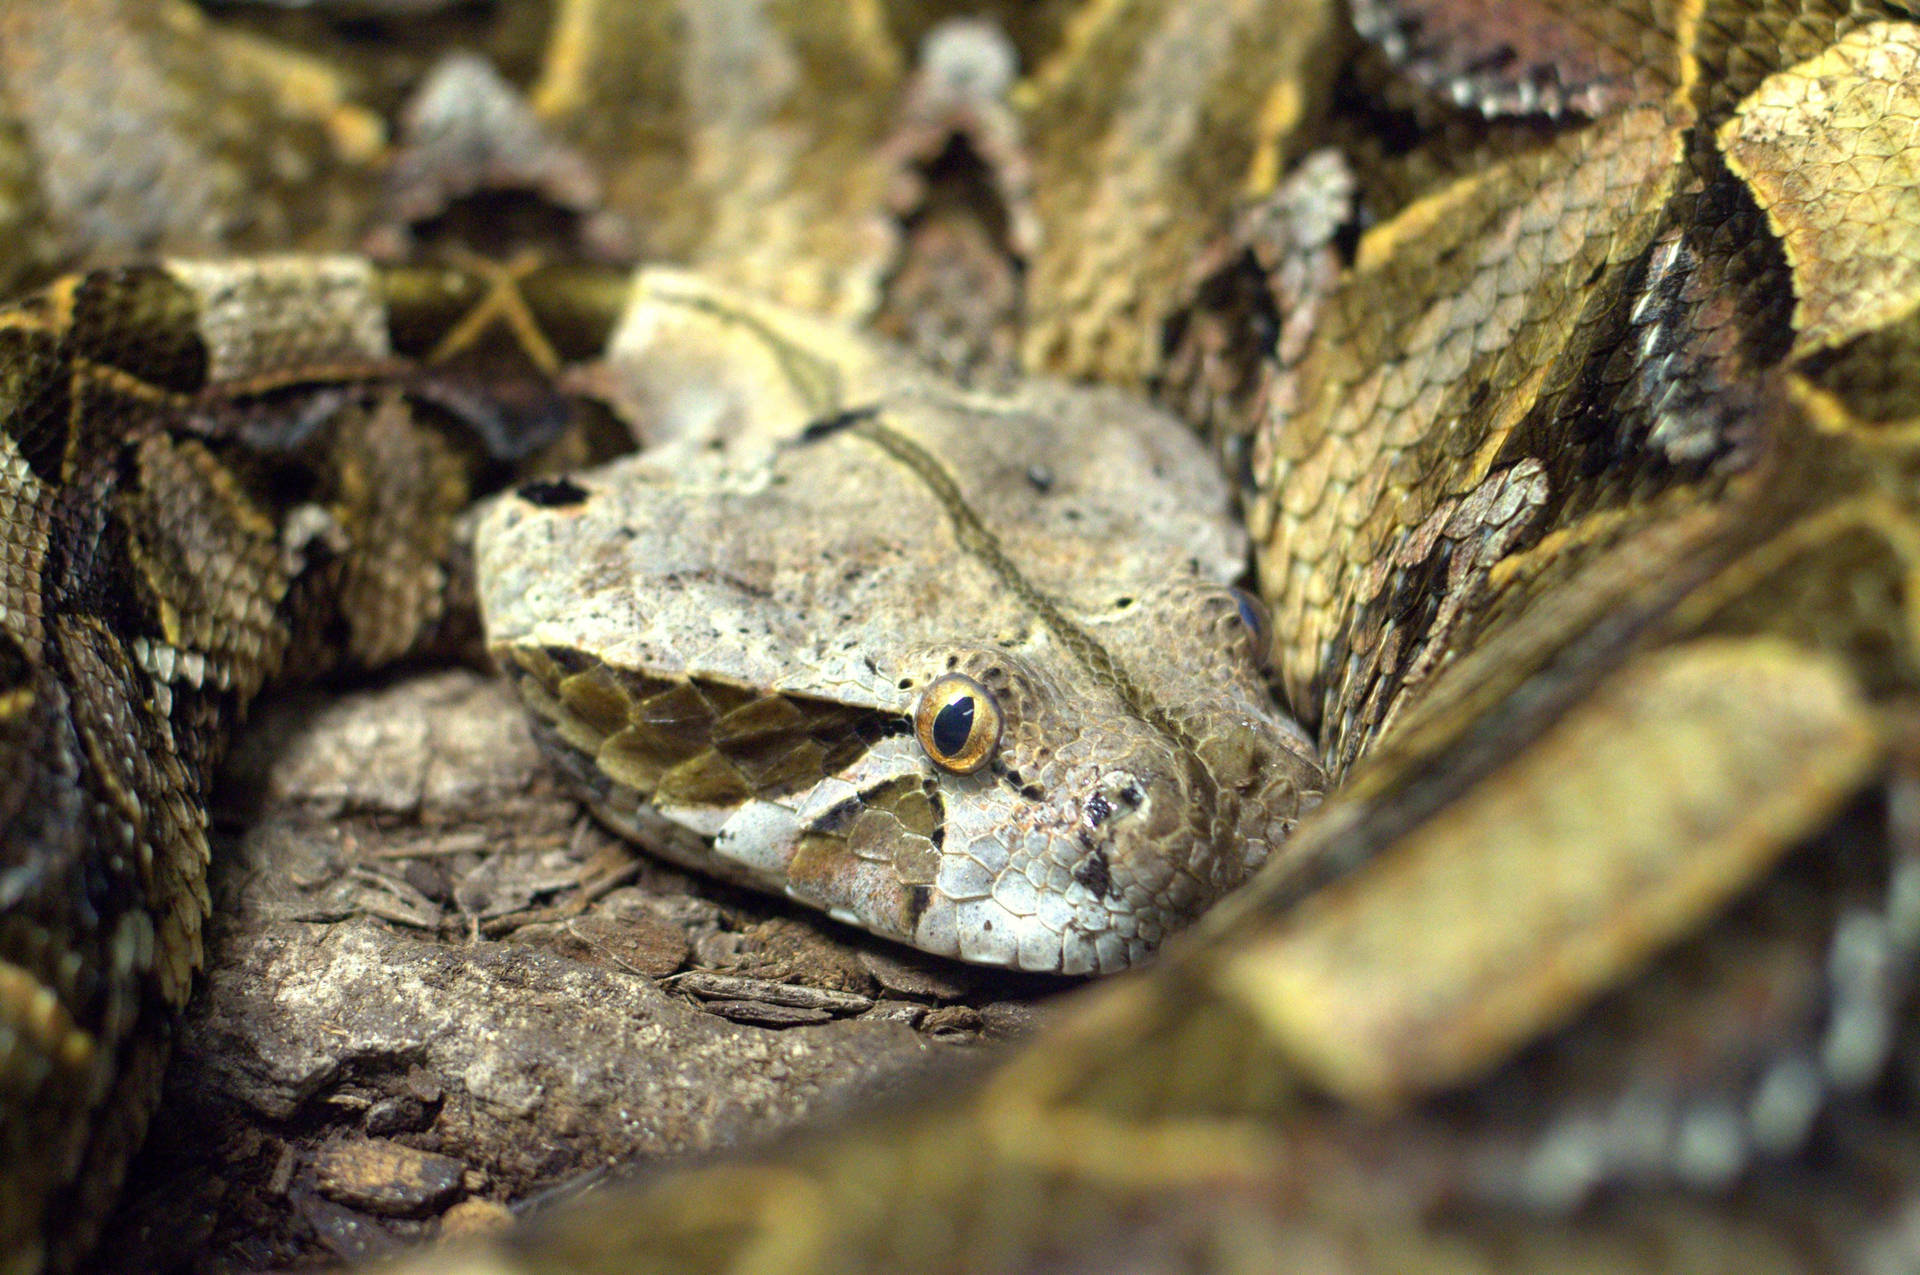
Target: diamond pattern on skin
1447,332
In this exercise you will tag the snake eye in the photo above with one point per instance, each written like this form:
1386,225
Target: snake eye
958,723
1253,614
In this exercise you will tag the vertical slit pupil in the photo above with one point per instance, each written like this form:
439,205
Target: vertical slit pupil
952,726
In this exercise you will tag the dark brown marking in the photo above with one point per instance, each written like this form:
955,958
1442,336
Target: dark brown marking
143,321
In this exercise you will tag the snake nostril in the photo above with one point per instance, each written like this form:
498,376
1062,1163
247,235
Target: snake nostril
1098,808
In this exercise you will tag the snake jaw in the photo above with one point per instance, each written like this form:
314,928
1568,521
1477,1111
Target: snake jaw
1073,852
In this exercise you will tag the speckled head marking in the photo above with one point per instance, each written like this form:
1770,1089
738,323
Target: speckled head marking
873,665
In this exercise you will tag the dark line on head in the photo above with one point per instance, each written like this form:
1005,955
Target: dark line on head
814,379
827,426
977,540
818,383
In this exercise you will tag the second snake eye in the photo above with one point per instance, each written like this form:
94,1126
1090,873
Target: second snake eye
958,723
1253,614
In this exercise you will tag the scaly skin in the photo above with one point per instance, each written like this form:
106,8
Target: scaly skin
1582,489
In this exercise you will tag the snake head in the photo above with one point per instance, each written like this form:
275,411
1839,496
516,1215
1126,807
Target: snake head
961,669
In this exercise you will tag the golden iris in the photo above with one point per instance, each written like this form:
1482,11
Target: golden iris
957,723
